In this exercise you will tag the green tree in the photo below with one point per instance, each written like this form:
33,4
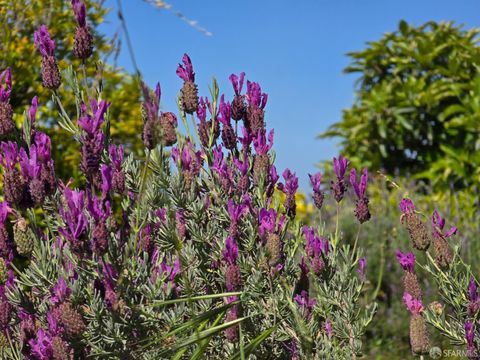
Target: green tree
18,21
417,106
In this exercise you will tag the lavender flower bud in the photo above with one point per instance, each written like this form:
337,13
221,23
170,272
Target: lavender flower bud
257,100
24,237
415,226
362,213
232,332
443,252
83,44
50,74
168,122
233,278
261,167
60,349
181,225
318,195
419,339
274,248
4,242
7,126
3,271
238,103
338,187
189,97
69,318
100,238
411,285
5,311
189,91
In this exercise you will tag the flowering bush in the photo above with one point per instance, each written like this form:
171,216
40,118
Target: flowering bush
455,308
186,253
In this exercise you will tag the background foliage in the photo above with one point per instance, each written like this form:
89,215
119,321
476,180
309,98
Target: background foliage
18,20
417,107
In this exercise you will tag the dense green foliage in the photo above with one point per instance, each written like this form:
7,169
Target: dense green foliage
417,107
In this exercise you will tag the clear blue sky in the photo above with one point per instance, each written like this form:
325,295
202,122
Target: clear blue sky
294,49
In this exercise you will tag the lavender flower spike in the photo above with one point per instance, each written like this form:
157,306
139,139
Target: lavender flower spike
83,45
238,103
289,189
407,261
338,187
318,195
415,226
46,46
6,111
189,91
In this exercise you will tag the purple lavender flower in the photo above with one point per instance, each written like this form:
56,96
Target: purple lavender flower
315,249
181,224
32,116
328,328
273,179
438,223
235,212
230,254
185,70
268,223
270,232
228,134
151,100
338,187
289,189
46,46
41,346
413,305
473,298
305,303
14,184
238,103
60,292
5,90
7,125
75,220
106,172
43,41
407,206
470,337
254,117
189,91
80,12
361,267
83,45
5,243
407,261
415,226
318,195
243,168
261,164
100,212
92,139
441,248
362,212
189,162
118,177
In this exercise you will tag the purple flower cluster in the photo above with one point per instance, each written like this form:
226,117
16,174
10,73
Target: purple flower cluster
46,46
289,189
7,126
316,250
92,139
83,44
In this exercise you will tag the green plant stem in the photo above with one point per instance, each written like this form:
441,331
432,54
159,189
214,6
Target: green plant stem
356,240
380,272
335,240
85,79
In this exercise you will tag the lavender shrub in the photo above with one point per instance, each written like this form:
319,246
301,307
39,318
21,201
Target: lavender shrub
187,253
